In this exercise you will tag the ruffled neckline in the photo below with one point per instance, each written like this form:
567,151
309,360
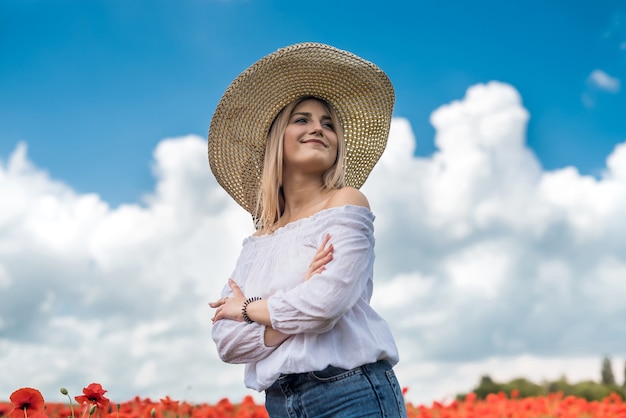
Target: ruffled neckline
314,217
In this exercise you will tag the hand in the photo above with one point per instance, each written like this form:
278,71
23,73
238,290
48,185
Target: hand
322,257
230,307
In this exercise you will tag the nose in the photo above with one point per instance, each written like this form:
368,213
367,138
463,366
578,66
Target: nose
316,128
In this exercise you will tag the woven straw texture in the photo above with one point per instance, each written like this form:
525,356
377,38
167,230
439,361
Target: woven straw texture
361,93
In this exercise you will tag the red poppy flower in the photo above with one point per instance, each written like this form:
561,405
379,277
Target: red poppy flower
27,402
169,404
94,395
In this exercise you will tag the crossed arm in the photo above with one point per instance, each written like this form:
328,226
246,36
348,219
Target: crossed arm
257,311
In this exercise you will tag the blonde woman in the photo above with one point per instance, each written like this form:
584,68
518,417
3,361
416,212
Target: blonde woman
292,140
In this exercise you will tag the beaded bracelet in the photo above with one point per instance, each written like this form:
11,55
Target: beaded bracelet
244,308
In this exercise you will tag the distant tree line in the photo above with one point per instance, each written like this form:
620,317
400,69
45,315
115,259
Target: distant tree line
588,389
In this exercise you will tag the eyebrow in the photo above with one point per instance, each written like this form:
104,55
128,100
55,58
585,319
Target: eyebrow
308,114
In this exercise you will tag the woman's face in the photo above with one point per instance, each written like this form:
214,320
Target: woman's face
310,140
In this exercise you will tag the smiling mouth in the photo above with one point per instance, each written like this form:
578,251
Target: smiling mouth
317,141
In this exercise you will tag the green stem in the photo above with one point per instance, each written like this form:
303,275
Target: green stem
71,406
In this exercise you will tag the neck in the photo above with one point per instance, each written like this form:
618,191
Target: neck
303,196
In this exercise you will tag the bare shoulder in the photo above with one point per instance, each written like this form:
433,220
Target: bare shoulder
348,196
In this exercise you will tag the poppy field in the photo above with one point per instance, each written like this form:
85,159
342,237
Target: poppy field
30,403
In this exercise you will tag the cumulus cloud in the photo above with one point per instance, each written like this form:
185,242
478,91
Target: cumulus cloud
599,82
604,81
92,293
486,263
499,257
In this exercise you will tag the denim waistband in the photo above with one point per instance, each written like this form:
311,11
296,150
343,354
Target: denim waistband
298,378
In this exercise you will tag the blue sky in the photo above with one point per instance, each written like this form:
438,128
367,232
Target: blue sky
93,86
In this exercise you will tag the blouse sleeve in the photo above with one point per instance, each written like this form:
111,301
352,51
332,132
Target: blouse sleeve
239,342
315,306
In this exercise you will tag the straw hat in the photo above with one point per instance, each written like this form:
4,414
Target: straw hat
360,92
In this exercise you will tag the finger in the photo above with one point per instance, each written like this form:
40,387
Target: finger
322,256
327,250
235,288
322,246
321,262
321,249
318,270
218,314
217,303
326,239
313,273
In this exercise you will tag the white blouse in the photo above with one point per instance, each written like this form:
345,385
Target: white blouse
328,317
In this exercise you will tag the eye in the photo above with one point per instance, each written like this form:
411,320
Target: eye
300,119
329,125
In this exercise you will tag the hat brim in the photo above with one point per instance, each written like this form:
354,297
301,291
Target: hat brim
357,89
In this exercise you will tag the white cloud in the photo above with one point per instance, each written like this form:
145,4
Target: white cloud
120,292
616,163
604,81
486,263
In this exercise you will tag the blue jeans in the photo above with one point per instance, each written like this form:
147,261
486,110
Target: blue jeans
371,390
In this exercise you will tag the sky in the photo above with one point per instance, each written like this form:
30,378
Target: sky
499,202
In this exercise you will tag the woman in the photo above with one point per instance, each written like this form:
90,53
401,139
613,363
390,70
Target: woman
292,140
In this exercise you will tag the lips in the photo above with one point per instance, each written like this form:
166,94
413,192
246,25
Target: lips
317,141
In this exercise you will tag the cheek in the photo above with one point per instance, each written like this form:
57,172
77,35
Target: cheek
290,138
287,137
288,146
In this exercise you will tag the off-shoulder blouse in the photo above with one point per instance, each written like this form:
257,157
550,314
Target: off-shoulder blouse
329,317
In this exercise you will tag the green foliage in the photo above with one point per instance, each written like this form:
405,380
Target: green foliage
485,387
589,390
525,387
607,372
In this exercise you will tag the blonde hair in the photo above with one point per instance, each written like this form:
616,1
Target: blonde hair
270,199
